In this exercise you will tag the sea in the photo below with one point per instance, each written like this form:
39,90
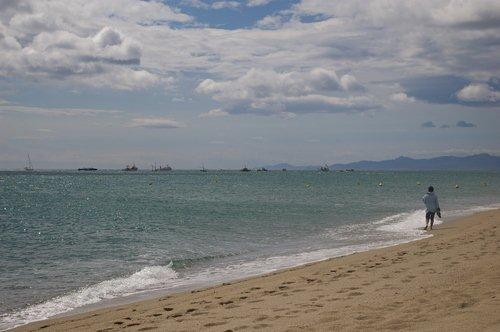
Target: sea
73,241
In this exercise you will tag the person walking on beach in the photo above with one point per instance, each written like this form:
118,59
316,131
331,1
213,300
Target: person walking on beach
431,206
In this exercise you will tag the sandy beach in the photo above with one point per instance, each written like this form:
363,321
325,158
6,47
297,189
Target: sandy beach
448,282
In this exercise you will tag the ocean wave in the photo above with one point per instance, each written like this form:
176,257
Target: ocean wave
412,223
407,227
146,278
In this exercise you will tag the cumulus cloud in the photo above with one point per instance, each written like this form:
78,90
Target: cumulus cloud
465,124
402,97
478,92
106,59
428,124
58,40
270,92
270,22
156,123
379,38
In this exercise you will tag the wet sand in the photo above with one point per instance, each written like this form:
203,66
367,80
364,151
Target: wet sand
449,282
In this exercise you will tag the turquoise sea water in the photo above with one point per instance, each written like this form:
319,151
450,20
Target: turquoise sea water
70,239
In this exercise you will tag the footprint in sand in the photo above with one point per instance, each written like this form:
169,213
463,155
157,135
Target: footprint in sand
255,301
261,326
176,315
214,324
133,324
261,318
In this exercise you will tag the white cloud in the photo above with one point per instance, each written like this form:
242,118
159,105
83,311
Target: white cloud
401,97
214,113
156,123
129,44
225,4
79,41
254,3
195,4
478,92
270,92
270,22
468,13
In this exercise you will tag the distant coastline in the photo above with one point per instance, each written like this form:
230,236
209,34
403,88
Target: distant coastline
477,162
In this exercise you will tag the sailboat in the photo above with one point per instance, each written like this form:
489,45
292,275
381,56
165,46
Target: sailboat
203,169
29,166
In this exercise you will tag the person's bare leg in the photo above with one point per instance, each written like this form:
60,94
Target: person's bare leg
432,222
426,224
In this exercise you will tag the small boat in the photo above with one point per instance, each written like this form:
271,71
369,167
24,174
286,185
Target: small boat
262,169
130,168
203,169
283,169
29,165
324,168
245,169
165,168
87,169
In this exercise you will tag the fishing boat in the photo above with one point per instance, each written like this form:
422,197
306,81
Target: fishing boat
29,165
165,168
130,168
324,168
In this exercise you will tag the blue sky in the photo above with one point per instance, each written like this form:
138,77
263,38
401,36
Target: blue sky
224,83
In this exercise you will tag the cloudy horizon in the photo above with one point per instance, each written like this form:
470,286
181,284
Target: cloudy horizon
257,82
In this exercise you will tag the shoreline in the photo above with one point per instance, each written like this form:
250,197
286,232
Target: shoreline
188,312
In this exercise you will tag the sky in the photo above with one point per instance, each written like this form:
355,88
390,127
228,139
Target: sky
257,82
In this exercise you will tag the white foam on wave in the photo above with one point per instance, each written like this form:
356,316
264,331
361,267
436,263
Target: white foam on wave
407,224
146,278
406,227
411,223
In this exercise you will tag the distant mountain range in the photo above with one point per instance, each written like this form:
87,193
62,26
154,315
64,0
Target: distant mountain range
483,162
